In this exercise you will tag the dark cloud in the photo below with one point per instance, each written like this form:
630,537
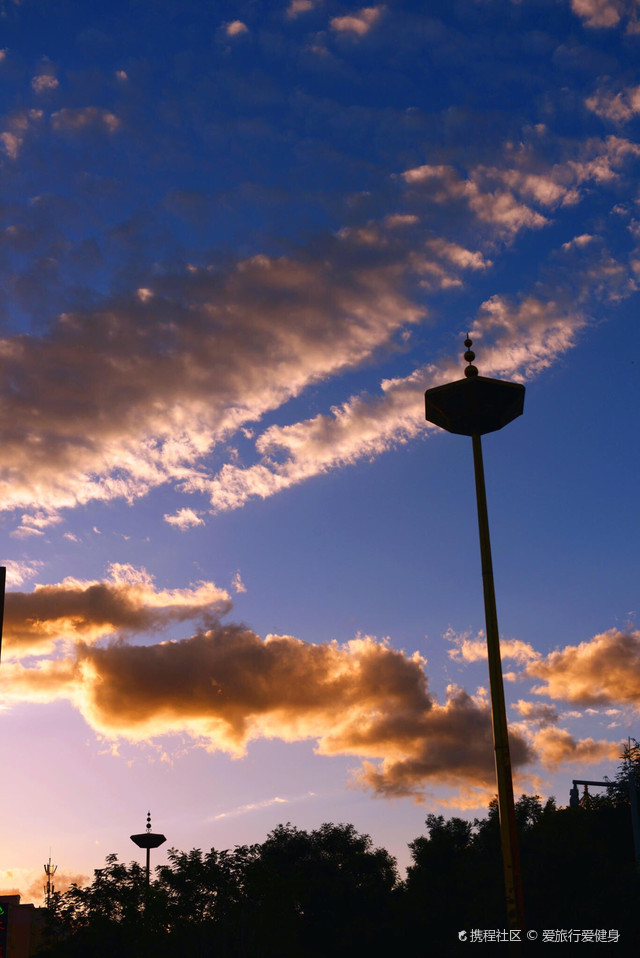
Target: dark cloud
226,687
127,603
453,744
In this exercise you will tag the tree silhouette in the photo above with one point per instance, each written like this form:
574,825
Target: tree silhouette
329,892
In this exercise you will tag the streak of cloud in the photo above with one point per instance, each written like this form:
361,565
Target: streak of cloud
126,603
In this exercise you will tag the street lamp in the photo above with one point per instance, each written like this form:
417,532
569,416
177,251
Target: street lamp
148,840
472,407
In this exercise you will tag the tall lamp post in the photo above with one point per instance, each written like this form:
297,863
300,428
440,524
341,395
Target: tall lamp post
472,407
148,840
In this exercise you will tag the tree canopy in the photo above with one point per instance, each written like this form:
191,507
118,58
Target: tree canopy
329,891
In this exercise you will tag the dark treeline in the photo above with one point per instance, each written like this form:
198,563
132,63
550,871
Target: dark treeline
329,892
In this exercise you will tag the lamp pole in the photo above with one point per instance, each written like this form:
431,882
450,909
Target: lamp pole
148,840
472,407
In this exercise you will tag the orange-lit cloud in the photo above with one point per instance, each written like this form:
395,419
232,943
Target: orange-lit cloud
29,883
62,881
113,402
226,687
505,197
537,713
603,671
124,604
184,519
523,339
556,747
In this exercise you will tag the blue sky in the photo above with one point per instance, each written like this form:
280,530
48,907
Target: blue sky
237,244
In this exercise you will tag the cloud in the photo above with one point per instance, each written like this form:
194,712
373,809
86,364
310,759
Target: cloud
468,649
184,519
453,742
11,144
226,687
556,747
126,603
522,339
504,196
35,524
602,671
251,807
114,401
236,28
44,83
88,117
62,882
359,23
28,883
20,570
617,107
578,241
499,207
537,713
296,7
599,13
136,392
237,584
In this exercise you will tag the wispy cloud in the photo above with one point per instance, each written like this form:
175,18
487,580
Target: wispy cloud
251,807
521,338
191,379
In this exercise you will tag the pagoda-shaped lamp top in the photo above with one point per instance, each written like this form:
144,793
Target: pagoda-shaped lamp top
474,405
148,839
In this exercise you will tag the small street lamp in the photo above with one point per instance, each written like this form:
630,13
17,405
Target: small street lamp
472,407
148,840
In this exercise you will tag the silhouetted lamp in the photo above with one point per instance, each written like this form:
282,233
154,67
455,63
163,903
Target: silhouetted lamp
148,840
472,407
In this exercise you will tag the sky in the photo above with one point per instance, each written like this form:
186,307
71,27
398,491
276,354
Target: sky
238,241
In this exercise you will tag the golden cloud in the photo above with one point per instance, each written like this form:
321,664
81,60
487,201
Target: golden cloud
112,402
226,687
126,603
603,671
557,747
